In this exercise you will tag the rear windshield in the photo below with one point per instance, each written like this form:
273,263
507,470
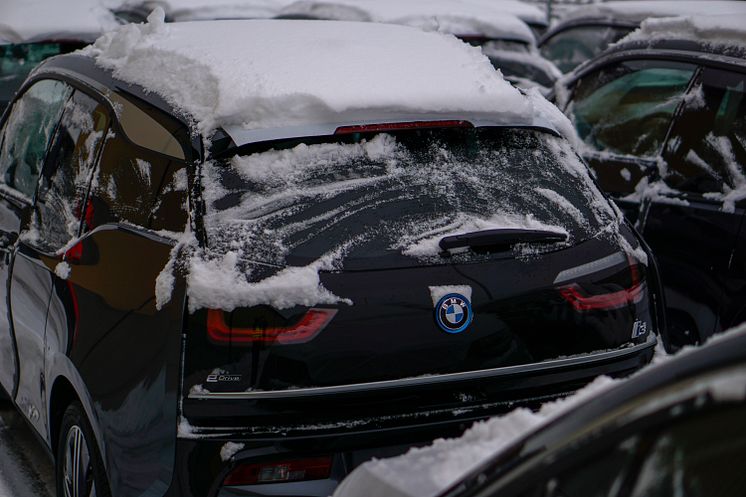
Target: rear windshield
392,196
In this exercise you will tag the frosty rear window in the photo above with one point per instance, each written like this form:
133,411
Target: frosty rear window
387,199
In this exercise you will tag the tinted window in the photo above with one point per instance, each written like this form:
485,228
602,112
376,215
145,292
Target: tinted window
151,130
707,149
17,61
627,108
697,456
394,195
28,131
132,182
70,162
569,48
601,477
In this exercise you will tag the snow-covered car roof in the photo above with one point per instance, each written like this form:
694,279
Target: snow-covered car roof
524,11
636,11
41,20
253,75
720,30
459,17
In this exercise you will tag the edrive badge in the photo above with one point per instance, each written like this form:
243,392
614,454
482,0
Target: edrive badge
453,313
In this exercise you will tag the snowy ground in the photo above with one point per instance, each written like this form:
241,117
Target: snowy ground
25,469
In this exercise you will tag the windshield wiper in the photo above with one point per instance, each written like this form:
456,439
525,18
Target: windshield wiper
499,238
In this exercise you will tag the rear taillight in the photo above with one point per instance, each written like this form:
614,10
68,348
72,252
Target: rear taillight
304,330
75,253
316,468
583,299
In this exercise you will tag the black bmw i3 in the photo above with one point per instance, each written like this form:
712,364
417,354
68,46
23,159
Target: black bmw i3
258,310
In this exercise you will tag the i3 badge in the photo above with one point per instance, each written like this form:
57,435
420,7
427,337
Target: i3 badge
453,313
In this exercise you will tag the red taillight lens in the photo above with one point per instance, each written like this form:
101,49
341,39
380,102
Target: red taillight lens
373,128
316,468
302,331
581,301
75,253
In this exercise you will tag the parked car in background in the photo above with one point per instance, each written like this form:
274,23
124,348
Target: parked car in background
503,37
253,277
673,429
27,37
588,30
532,15
199,10
663,120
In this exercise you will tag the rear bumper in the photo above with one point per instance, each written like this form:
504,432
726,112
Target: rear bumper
363,421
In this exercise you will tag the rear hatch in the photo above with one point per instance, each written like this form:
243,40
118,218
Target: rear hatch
336,263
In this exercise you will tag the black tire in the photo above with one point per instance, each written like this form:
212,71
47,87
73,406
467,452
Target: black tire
76,441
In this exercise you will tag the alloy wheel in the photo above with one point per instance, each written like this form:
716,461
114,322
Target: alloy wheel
78,468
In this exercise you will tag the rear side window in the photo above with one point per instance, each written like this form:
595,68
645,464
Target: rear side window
28,132
707,149
627,108
142,177
67,173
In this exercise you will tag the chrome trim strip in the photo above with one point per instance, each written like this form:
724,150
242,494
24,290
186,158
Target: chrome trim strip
651,341
612,260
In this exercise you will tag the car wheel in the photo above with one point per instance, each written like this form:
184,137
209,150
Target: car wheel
79,468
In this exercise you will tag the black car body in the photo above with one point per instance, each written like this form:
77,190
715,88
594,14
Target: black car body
588,30
187,400
675,427
663,121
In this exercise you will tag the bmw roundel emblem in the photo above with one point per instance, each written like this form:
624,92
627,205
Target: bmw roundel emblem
453,313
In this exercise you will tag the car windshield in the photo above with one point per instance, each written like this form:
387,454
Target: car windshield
393,196
17,61
571,47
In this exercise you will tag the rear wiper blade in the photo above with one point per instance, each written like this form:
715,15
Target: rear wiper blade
499,238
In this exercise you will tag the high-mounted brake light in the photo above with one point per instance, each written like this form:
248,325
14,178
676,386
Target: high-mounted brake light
316,468
581,301
372,128
303,331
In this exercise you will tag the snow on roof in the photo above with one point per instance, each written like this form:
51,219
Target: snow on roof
524,11
34,20
717,29
506,27
260,74
200,10
327,10
637,11
459,17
